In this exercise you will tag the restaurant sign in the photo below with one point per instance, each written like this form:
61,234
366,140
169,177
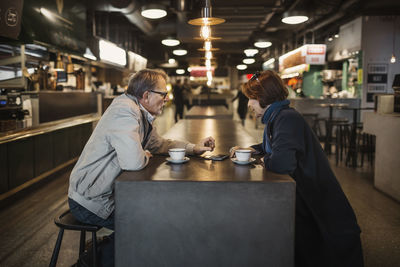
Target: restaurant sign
10,18
313,54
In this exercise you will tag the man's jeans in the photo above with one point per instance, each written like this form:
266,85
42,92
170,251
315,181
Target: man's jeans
86,216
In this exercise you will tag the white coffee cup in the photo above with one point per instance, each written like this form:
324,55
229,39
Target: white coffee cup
243,154
177,153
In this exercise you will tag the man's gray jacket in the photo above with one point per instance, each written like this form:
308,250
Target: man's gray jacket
115,145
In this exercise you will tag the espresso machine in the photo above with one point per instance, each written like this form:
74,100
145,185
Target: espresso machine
11,113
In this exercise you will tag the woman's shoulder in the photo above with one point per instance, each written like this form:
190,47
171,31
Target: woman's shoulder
290,116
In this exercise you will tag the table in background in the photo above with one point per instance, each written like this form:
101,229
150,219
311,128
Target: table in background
328,137
352,151
205,213
209,112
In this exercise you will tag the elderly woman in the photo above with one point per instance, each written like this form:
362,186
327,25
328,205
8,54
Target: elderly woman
327,233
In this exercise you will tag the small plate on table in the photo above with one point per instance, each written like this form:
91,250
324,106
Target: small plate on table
252,160
178,161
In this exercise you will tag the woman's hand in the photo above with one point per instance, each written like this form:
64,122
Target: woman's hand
233,150
206,144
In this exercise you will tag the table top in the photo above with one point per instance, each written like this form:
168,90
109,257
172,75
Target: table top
227,133
214,112
332,105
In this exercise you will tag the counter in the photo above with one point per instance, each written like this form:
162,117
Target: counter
386,127
30,155
204,213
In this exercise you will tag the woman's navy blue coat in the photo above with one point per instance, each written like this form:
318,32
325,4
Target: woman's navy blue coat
327,233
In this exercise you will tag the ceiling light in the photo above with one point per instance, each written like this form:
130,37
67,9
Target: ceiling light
205,32
262,44
250,52
294,17
180,71
337,35
179,52
88,54
249,60
153,11
171,61
269,63
189,69
393,59
207,45
330,39
206,17
170,41
241,67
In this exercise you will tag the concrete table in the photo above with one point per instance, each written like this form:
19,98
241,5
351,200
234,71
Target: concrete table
209,112
205,213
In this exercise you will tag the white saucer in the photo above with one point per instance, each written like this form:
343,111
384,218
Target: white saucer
252,160
178,161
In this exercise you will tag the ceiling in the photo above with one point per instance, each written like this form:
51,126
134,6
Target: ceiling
246,21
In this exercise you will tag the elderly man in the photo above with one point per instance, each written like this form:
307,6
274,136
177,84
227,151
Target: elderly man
124,139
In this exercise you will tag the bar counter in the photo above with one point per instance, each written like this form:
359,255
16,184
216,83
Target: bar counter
203,212
30,155
386,127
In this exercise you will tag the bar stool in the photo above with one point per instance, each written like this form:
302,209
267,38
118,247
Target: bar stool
342,139
66,221
329,125
314,122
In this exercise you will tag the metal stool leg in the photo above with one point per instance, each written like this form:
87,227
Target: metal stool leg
82,242
94,247
56,250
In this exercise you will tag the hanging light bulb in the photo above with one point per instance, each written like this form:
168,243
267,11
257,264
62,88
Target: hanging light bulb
209,75
205,31
208,55
207,45
208,63
393,59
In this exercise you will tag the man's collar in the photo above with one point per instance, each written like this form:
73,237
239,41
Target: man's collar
150,118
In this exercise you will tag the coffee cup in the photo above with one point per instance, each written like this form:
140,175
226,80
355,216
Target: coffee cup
243,154
177,153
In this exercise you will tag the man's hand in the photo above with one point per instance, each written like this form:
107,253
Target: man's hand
206,144
233,150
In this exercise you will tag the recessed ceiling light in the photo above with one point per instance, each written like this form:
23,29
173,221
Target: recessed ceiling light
170,42
241,67
294,17
179,52
153,11
249,60
180,71
262,44
250,52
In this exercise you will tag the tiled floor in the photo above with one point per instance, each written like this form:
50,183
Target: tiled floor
28,234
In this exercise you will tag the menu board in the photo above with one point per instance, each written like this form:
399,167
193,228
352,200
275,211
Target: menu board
136,62
313,54
59,23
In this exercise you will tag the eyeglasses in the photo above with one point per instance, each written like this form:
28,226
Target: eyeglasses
255,77
163,94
